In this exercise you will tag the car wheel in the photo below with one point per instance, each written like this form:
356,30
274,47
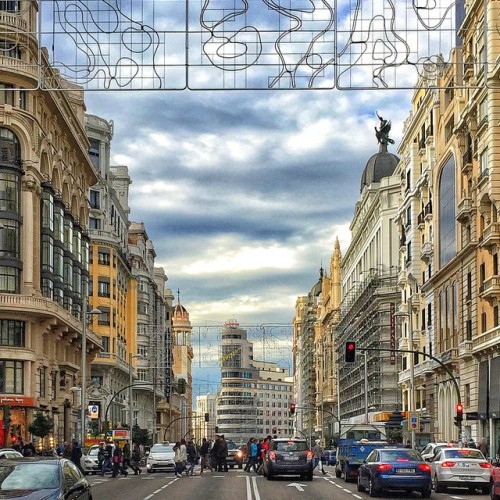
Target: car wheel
438,487
372,491
485,490
494,496
240,466
309,477
231,466
360,486
269,476
426,493
149,471
338,474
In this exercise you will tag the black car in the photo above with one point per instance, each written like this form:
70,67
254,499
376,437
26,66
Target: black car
39,478
289,457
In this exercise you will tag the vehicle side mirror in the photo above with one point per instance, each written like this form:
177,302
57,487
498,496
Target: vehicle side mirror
147,453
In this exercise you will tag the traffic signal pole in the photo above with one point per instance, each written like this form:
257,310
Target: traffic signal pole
448,371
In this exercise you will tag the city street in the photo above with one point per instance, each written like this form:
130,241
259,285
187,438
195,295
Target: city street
244,486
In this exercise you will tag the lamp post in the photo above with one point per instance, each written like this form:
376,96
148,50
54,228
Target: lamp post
83,410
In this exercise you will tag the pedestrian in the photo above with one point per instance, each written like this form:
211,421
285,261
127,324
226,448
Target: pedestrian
135,459
67,451
107,463
192,457
318,456
204,456
126,455
214,452
118,461
470,443
484,448
252,456
76,455
183,454
100,455
179,465
222,453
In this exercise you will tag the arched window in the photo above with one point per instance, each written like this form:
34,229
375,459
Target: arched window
10,207
447,205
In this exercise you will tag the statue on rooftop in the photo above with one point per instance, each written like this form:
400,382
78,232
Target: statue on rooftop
382,132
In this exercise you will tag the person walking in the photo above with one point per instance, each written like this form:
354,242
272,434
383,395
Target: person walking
192,457
135,459
252,456
183,454
118,461
179,466
484,448
205,456
214,453
76,455
126,455
222,453
107,463
318,456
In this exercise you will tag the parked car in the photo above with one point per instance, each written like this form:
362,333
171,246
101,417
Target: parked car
235,455
461,468
495,481
161,457
288,457
432,448
37,478
9,453
329,457
395,468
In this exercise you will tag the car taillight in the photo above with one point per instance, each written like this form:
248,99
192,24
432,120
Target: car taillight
272,456
424,467
310,455
382,467
485,465
448,464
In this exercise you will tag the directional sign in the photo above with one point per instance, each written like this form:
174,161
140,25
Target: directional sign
297,485
413,421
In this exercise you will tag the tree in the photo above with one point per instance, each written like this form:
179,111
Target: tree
93,427
140,436
41,426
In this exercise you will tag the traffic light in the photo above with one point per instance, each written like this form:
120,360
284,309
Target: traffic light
350,352
459,409
6,417
292,408
207,417
181,386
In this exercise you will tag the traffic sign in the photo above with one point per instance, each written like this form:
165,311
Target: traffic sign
413,421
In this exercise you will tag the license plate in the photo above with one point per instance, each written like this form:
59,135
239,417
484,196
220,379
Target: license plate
467,478
405,471
291,458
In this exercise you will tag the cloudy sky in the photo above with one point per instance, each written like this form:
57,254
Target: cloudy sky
243,191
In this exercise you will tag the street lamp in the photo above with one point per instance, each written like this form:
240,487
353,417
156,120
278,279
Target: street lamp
83,411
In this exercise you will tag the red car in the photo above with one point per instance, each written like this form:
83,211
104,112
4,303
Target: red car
495,481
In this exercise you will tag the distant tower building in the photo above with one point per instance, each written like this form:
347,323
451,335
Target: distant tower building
183,358
236,404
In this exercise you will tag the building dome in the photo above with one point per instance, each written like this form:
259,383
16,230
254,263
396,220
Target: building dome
179,309
380,165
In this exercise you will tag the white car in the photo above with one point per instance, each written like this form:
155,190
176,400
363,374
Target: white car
460,468
89,461
432,448
9,453
161,457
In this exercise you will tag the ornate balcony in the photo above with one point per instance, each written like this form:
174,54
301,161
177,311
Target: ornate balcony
427,251
465,349
490,289
491,236
464,209
467,162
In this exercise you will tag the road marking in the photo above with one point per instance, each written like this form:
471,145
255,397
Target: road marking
297,485
356,496
251,483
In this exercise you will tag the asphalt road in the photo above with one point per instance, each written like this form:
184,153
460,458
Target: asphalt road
239,485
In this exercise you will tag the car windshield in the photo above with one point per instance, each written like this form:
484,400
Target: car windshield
465,453
163,448
291,446
400,455
29,476
231,445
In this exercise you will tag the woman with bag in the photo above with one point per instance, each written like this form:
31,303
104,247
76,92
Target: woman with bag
118,461
318,456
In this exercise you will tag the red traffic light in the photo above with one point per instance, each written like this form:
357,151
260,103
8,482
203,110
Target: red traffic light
459,409
292,408
350,352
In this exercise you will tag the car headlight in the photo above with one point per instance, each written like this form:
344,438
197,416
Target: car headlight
239,454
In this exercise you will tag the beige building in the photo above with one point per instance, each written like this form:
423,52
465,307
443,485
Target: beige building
46,174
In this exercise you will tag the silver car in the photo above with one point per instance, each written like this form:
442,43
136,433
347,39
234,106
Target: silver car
161,457
460,468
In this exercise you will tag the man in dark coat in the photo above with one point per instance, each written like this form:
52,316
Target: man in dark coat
222,454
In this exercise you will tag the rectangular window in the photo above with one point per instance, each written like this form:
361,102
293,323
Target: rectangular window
9,280
6,94
94,223
42,380
94,152
94,199
495,264
105,344
11,377
12,333
483,323
104,287
103,256
495,316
